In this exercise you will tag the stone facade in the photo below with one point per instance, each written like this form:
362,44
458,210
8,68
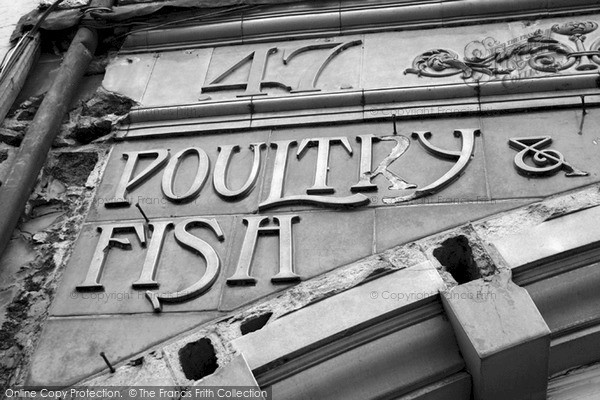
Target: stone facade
246,203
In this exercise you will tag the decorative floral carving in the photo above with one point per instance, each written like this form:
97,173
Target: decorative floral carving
491,58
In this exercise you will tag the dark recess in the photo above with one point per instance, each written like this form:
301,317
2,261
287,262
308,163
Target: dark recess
456,255
198,359
255,323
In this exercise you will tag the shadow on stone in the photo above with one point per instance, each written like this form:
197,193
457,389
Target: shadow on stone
198,359
456,255
255,323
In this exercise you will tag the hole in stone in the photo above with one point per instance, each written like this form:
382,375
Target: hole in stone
456,255
198,359
255,323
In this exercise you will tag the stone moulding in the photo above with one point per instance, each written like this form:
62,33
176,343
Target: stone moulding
369,315
562,278
353,105
305,21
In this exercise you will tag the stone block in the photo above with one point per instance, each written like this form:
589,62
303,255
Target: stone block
69,349
376,300
568,234
177,77
502,336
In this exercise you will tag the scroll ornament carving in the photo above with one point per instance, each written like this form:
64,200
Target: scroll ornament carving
539,51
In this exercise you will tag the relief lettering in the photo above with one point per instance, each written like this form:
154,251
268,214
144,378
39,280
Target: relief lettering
309,79
255,82
205,250
146,279
171,170
222,166
256,225
323,145
461,157
127,183
366,174
105,243
546,161
276,197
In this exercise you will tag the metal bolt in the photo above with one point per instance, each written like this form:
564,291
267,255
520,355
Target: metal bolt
110,367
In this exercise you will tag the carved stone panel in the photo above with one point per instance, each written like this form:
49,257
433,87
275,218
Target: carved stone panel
547,153
368,161
504,52
184,187
321,241
171,263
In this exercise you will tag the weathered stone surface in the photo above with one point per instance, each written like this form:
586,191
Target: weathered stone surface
347,238
148,370
497,324
87,337
294,334
164,87
129,75
395,225
51,224
523,219
551,238
459,253
577,383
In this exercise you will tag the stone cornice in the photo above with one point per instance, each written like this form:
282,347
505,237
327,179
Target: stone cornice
557,91
306,20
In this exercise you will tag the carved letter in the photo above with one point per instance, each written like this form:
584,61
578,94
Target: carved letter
171,170
286,263
255,81
309,79
462,158
276,198
220,173
126,184
323,144
366,164
106,241
213,264
546,161
146,279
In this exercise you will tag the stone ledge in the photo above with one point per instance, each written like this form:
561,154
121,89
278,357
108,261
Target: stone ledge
350,17
340,316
